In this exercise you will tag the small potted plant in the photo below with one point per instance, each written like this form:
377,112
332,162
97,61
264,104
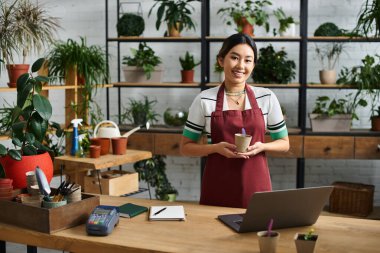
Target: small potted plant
328,56
273,67
139,112
176,14
335,116
287,24
246,14
305,243
188,64
142,66
130,25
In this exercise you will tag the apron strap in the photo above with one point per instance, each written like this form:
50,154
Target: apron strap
220,98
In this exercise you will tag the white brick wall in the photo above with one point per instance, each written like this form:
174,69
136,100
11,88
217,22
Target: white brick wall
87,18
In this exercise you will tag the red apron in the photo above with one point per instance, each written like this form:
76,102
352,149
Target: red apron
232,181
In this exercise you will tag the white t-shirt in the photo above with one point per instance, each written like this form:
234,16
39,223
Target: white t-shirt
199,117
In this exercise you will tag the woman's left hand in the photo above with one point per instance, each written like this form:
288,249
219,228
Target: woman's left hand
253,150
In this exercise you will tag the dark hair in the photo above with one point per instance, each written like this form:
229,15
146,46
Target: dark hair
236,39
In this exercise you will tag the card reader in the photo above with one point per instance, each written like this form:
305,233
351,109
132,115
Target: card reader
102,220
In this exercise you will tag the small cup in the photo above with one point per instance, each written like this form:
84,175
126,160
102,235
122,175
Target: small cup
119,145
94,151
242,142
104,144
268,243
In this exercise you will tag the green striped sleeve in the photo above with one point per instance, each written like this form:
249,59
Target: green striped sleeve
278,135
191,135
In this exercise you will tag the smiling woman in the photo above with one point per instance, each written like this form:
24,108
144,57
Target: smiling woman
222,112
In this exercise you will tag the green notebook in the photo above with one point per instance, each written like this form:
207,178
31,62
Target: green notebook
130,210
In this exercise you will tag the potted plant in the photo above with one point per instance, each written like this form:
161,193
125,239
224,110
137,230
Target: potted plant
142,66
366,78
188,65
220,71
30,119
305,243
287,24
246,14
139,112
176,13
89,64
273,67
335,116
368,19
20,34
328,29
153,172
328,57
130,25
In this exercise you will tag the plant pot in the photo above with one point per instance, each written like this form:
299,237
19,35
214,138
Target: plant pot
290,31
305,246
268,244
136,75
375,121
104,144
94,151
119,145
171,197
336,123
16,170
327,76
173,31
15,71
187,76
245,26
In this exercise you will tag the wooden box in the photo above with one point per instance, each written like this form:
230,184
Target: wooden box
352,198
114,183
48,220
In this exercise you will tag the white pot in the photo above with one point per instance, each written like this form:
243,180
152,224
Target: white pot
290,31
137,75
327,76
336,123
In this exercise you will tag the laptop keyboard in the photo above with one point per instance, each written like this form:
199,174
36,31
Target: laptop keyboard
238,222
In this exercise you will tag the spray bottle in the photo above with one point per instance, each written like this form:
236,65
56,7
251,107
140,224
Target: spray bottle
75,140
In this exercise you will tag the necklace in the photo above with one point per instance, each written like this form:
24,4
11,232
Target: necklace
237,100
235,94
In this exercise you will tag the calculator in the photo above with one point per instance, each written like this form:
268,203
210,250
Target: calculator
102,220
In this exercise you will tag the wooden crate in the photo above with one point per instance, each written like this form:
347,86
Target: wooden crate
114,183
48,220
352,198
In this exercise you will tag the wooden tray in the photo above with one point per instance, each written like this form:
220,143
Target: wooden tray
48,220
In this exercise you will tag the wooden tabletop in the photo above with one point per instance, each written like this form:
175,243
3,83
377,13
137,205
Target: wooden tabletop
201,232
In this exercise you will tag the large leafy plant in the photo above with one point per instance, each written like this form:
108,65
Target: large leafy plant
273,67
139,112
369,19
30,117
143,57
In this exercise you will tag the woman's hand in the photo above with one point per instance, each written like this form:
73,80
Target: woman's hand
228,150
253,150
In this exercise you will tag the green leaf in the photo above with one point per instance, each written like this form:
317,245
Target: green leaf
22,81
15,154
30,138
3,150
41,147
23,94
42,79
42,106
17,142
18,126
38,126
29,150
38,64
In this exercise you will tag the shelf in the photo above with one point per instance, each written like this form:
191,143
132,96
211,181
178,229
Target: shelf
155,39
342,39
280,86
55,87
4,137
257,39
353,132
157,85
329,86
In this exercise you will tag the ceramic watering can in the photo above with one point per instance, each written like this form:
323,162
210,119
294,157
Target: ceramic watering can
127,134
106,132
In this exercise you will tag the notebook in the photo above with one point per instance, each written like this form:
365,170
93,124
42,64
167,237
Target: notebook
167,213
287,208
130,210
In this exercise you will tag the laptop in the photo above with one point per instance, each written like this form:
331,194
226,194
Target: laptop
287,208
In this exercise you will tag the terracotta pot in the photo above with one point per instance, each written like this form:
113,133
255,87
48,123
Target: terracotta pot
94,151
375,123
173,32
187,76
327,76
16,170
119,145
15,71
245,26
104,144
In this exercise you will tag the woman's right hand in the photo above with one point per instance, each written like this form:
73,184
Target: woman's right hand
226,149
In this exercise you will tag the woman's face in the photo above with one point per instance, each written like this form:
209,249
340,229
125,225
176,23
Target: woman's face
238,65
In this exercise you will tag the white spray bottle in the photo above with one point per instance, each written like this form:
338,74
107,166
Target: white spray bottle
75,140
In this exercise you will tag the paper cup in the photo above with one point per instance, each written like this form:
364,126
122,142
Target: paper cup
242,142
268,244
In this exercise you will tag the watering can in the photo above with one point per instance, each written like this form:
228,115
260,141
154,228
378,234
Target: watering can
110,132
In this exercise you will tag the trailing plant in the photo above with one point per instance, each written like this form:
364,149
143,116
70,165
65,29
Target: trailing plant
326,108
89,62
253,11
369,19
139,112
273,67
176,13
328,55
153,172
130,25
284,20
143,57
30,116
187,63
366,78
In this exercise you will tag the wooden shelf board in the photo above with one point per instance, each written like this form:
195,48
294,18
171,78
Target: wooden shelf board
126,84
289,85
343,39
257,38
330,86
4,137
55,87
169,39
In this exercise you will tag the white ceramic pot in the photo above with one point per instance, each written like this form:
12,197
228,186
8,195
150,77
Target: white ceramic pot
327,76
290,31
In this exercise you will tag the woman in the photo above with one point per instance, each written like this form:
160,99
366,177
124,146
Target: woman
230,178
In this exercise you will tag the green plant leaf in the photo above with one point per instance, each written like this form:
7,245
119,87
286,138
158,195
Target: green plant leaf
29,150
18,126
3,150
41,147
42,106
38,126
22,96
15,154
22,81
30,138
38,64
16,142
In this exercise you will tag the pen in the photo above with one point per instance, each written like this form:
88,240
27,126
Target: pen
159,211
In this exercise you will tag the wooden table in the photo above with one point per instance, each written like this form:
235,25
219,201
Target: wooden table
77,167
201,232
